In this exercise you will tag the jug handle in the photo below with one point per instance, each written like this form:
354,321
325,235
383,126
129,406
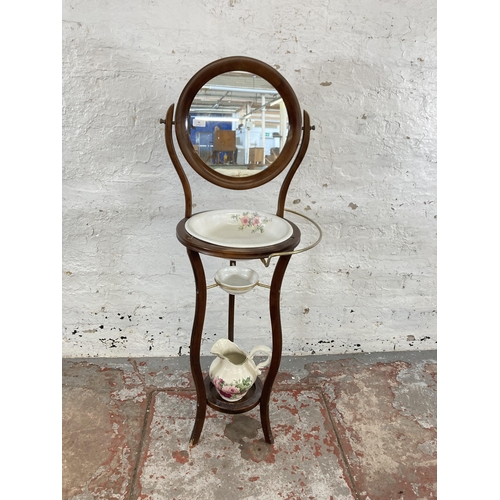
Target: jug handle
261,348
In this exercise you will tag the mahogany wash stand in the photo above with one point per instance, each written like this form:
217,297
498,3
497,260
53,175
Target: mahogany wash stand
220,80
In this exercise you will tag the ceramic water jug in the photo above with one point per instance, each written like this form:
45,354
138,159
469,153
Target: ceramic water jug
233,372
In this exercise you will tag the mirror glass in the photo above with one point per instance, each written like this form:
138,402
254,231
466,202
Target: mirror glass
238,124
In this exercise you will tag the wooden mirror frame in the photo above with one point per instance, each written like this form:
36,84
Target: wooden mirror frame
194,85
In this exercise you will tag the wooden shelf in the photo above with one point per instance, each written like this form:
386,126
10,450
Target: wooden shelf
206,248
249,401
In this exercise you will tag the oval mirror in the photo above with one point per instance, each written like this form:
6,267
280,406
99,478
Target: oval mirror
238,122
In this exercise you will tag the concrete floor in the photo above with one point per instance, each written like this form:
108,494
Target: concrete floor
351,427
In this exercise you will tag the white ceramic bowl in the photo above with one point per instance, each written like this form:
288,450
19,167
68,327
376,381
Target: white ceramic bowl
235,279
239,228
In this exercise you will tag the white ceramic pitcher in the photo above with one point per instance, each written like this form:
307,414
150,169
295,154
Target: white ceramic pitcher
233,371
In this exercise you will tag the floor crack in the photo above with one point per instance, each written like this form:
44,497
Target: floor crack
134,493
342,452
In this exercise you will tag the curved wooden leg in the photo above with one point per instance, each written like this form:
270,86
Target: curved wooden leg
274,309
195,348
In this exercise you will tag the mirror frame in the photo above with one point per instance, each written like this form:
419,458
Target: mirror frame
259,68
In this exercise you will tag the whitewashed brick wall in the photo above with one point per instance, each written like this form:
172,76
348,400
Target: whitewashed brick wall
365,70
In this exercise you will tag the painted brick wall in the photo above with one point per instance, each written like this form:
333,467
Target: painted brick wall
365,70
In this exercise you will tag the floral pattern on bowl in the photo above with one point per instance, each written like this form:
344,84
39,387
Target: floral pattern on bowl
239,228
234,391
252,220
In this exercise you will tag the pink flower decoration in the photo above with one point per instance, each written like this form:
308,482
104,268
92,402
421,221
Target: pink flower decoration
229,389
254,221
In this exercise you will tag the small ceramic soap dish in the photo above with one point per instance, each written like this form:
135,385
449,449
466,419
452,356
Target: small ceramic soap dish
235,280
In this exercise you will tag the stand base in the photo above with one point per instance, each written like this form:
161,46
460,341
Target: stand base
261,394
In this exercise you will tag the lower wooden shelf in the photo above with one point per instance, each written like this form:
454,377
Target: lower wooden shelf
249,401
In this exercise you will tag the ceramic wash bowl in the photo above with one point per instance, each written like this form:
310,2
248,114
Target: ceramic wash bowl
235,279
239,228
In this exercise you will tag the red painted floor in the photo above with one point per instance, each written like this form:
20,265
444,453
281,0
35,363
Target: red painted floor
358,427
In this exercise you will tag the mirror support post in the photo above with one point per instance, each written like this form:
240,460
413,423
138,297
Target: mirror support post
306,133
169,141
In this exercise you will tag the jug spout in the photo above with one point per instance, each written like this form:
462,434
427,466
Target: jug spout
226,349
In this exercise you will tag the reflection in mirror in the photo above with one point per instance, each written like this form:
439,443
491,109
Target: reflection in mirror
238,123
